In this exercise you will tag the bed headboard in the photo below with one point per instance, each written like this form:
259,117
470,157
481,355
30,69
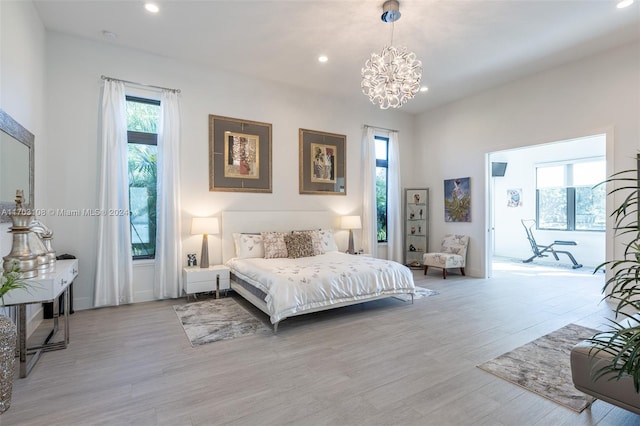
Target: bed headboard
264,221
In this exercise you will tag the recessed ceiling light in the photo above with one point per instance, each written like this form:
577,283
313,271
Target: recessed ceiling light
322,58
624,3
152,7
424,89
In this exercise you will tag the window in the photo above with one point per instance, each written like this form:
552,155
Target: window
382,167
567,199
142,134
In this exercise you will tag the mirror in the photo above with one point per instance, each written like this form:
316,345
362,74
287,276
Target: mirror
16,164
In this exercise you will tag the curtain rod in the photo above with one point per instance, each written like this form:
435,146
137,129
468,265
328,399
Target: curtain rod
381,128
104,77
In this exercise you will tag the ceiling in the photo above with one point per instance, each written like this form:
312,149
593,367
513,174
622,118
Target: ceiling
465,46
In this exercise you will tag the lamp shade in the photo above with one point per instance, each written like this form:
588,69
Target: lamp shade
351,222
204,225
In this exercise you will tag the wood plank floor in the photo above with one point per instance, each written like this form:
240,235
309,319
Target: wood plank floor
380,363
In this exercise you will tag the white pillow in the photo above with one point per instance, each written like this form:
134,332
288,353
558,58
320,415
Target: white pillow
327,241
248,245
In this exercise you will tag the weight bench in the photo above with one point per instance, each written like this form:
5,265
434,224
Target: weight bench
540,250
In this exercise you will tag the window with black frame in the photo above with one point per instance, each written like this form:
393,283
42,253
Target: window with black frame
382,173
142,134
568,197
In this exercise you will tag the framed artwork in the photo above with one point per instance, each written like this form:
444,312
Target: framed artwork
457,200
322,163
514,197
239,155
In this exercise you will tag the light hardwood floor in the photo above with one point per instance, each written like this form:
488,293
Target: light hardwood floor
380,363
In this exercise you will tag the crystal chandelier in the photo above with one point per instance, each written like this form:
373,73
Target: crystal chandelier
392,77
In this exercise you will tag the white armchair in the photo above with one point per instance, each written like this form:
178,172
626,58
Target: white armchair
452,254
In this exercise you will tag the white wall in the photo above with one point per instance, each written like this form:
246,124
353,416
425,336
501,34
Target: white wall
74,67
599,94
22,92
510,239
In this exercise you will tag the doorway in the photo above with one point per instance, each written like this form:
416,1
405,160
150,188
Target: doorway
530,183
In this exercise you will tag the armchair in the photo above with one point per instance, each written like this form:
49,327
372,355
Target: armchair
585,359
452,254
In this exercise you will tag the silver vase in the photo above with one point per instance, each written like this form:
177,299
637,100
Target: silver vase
21,255
7,360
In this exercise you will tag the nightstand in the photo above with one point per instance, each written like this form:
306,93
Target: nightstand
200,280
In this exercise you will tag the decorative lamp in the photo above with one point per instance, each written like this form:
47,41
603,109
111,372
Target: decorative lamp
392,77
351,223
204,226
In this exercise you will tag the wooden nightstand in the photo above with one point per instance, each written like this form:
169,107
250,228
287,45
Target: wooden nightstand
200,280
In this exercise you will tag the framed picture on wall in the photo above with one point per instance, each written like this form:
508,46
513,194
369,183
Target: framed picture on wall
323,163
239,155
457,200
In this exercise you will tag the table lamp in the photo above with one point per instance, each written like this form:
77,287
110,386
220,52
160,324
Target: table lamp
204,226
351,223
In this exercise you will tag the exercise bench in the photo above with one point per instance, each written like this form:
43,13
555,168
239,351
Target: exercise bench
540,250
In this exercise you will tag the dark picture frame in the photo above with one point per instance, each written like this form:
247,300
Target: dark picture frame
323,163
239,155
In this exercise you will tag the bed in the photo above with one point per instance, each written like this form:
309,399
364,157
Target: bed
283,287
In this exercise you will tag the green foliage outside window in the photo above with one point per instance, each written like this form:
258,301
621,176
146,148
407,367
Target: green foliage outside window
381,202
142,117
143,177
142,125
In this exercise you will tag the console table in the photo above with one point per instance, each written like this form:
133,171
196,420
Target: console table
46,287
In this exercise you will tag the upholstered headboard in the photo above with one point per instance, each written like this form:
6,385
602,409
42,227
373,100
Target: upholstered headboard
264,221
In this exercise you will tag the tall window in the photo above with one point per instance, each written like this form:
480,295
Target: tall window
567,199
142,133
382,167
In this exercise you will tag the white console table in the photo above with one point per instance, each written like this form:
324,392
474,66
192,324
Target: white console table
46,287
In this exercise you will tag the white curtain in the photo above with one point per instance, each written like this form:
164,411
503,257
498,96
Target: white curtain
369,211
168,262
113,285
394,202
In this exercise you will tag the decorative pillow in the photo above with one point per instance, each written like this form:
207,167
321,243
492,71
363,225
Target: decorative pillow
299,244
316,241
274,245
327,241
248,245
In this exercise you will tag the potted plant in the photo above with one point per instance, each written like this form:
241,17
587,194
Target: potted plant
622,340
9,280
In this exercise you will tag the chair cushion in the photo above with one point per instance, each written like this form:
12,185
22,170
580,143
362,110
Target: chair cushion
618,392
443,260
456,244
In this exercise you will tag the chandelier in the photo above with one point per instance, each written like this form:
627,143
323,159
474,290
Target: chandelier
392,77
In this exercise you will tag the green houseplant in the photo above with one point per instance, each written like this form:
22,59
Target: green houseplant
622,340
9,280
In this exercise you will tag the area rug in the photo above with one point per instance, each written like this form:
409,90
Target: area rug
420,293
217,319
544,367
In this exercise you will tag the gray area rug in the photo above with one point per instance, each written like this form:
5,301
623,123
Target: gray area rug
217,319
421,293
544,367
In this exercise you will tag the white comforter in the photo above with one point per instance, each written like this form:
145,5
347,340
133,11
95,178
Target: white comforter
296,285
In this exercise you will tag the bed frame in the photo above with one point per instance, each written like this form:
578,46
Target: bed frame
264,221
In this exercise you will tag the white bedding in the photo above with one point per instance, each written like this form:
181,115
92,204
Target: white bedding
296,285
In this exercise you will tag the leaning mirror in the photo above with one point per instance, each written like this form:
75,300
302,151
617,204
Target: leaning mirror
16,164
